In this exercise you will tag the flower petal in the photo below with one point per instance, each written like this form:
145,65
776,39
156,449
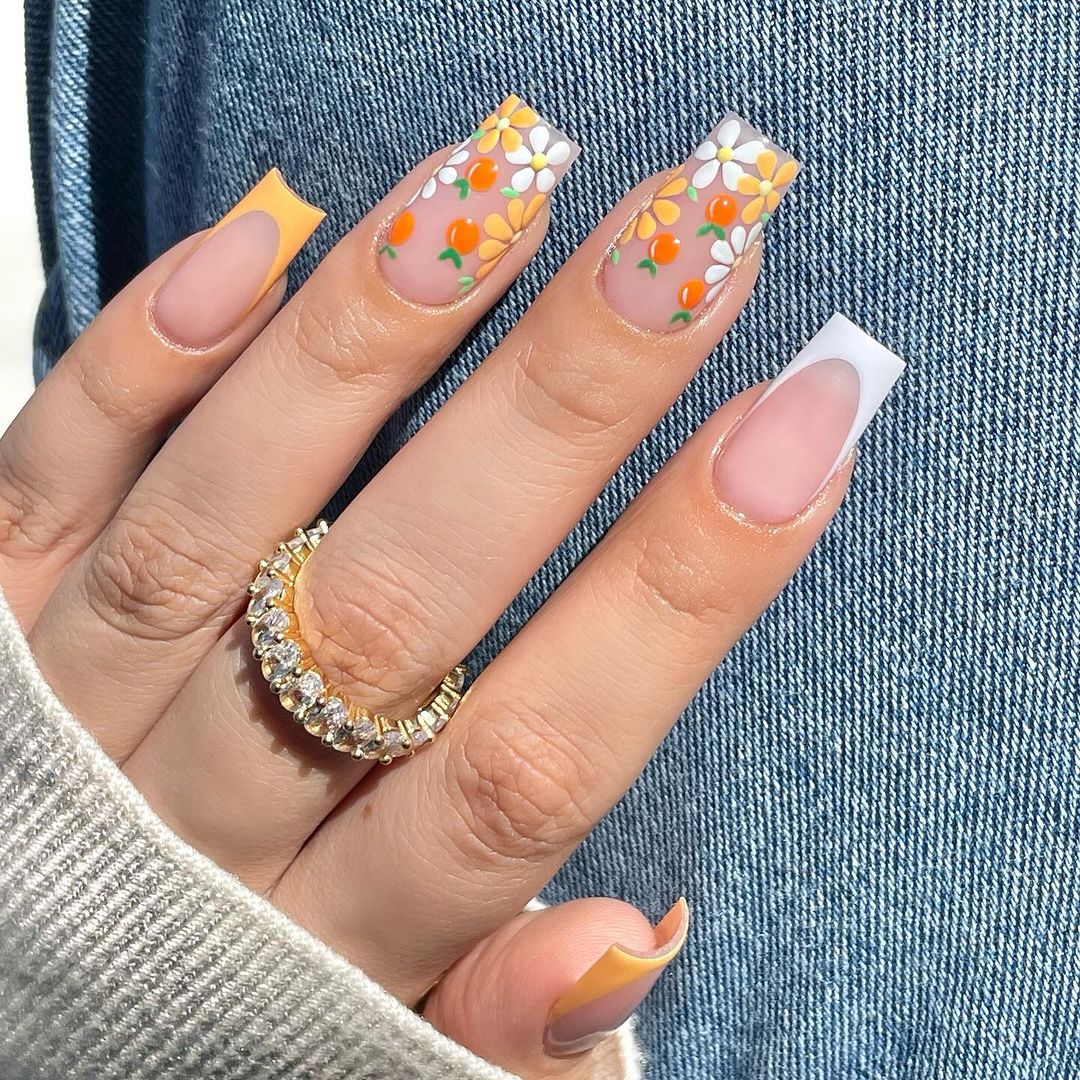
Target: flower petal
728,133
545,180
522,179
722,253
429,188
667,212
786,173
716,273
738,239
511,140
487,141
766,163
753,234
491,249
748,185
458,156
447,174
515,213
706,174
559,153
731,173
706,151
673,187
748,152
523,117
646,225
772,201
752,210
509,105
520,156
713,293
496,226
538,139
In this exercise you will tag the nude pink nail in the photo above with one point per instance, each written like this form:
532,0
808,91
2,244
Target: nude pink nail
802,428
675,256
475,206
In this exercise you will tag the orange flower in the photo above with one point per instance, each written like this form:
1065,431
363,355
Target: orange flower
504,231
660,208
505,126
765,188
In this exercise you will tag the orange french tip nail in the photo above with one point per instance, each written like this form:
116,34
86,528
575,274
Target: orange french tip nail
296,219
620,966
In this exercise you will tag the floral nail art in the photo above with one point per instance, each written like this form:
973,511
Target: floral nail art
476,205
675,255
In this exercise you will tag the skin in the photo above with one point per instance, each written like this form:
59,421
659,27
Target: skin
126,564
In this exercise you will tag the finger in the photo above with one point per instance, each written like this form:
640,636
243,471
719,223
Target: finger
557,728
76,449
268,448
513,461
434,548
542,995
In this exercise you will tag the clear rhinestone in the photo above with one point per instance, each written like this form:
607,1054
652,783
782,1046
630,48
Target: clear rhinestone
438,720
274,621
280,660
394,743
364,731
279,561
302,692
419,737
329,718
297,545
267,589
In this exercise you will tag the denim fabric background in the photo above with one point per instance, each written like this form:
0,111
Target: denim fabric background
874,805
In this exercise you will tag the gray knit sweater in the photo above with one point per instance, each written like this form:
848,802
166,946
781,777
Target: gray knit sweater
126,953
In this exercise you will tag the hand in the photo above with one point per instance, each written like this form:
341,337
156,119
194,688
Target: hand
126,562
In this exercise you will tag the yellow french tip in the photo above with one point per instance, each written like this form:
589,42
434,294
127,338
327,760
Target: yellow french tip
296,219
620,966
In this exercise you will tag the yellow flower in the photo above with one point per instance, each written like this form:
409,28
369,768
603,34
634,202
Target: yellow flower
503,126
765,188
504,231
660,208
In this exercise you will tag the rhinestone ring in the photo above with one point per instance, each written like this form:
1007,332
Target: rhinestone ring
303,688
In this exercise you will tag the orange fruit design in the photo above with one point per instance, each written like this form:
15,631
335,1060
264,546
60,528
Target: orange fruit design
463,235
664,248
721,211
481,174
691,293
403,227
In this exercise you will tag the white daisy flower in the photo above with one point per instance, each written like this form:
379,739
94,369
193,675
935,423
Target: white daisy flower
721,155
729,254
447,173
537,159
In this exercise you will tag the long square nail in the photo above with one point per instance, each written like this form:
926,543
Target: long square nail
803,427
475,206
673,258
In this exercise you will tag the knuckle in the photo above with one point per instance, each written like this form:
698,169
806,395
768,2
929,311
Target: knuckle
150,578
131,409
517,784
31,523
676,578
339,344
570,391
371,627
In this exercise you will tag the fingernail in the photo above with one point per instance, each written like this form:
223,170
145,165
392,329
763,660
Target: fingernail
232,269
476,205
800,431
673,258
609,992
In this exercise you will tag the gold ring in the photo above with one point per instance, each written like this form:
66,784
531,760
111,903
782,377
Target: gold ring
303,688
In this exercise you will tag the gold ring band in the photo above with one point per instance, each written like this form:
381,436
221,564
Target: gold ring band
303,688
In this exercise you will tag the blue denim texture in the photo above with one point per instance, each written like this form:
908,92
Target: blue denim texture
874,805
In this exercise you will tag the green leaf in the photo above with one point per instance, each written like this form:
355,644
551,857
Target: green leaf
680,316
509,192
709,227
477,134
388,251
616,255
451,254
463,186
466,280
691,193
647,264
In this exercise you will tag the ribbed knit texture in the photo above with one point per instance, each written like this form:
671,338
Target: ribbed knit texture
126,953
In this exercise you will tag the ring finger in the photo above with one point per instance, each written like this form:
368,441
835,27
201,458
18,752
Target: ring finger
557,728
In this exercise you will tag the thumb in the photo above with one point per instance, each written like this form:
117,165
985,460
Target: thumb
540,996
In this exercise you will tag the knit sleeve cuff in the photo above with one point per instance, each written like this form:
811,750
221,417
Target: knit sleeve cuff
126,953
